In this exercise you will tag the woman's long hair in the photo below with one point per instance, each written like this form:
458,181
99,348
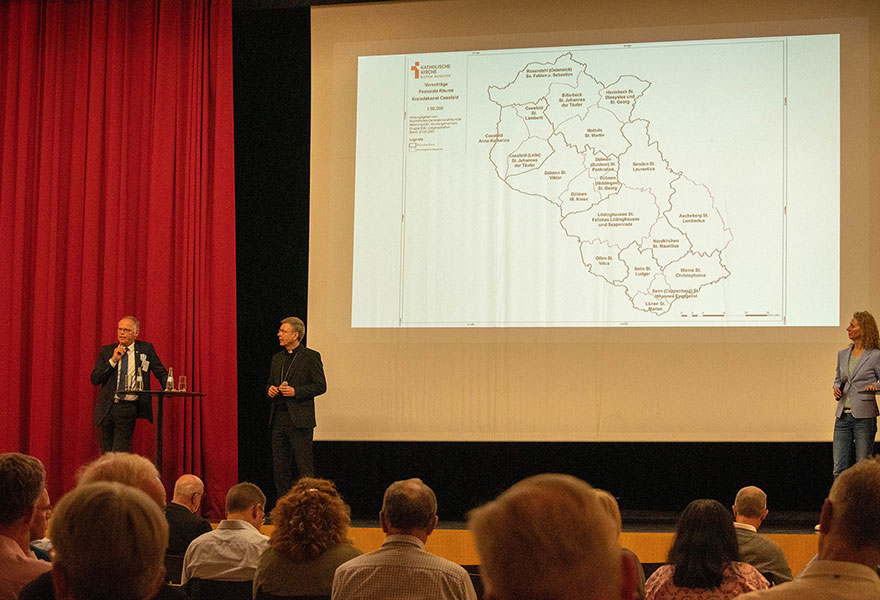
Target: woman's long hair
705,543
868,326
308,519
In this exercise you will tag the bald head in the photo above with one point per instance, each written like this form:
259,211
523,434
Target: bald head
188,492
123,467
549,536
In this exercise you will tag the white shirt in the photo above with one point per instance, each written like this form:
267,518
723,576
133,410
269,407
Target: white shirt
229,553
130,375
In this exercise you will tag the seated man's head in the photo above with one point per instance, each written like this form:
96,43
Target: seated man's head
189,491
409,507
24,501
123,467
549,537
850,521
750,505
109,541
246,502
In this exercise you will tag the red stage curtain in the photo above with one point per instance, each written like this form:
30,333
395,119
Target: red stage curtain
116,198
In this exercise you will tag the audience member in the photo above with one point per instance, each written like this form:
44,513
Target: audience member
749,511
402,568
232,551
849,543
309,541
113,467
184,522
109,541
549,536
123,467
609,503
40,545
24,502
704,559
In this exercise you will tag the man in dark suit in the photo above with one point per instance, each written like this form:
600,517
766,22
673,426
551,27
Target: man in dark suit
296,376
182,513
117,368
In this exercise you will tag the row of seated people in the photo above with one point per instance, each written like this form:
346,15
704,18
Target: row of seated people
309,541
549,536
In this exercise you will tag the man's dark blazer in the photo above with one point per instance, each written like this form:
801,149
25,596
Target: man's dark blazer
306,377
105,376
183,527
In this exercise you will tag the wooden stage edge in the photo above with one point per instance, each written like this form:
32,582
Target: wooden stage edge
651,547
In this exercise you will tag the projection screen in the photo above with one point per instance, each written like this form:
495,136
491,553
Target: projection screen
626,232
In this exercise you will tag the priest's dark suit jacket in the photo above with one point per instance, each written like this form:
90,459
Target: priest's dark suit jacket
306,376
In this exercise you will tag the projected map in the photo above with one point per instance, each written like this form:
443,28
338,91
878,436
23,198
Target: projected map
675,183
571,139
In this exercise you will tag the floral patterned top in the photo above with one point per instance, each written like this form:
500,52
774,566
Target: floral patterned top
739,578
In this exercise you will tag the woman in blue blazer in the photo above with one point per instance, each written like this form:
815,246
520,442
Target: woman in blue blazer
858,372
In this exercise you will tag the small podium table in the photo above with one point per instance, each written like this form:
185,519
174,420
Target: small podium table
160,396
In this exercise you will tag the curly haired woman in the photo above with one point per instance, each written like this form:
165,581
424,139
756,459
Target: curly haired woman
309,541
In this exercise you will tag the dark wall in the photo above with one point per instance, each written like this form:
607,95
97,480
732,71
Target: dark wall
644,476
272,82
272,79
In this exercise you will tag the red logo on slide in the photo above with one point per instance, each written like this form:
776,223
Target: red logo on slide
415,69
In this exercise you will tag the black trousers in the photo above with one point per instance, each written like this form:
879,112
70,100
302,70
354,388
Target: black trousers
117,428
290,445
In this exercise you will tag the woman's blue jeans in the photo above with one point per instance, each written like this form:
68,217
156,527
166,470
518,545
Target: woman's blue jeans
853,441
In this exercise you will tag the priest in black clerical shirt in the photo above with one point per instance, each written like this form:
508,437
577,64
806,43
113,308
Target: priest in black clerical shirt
296,376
